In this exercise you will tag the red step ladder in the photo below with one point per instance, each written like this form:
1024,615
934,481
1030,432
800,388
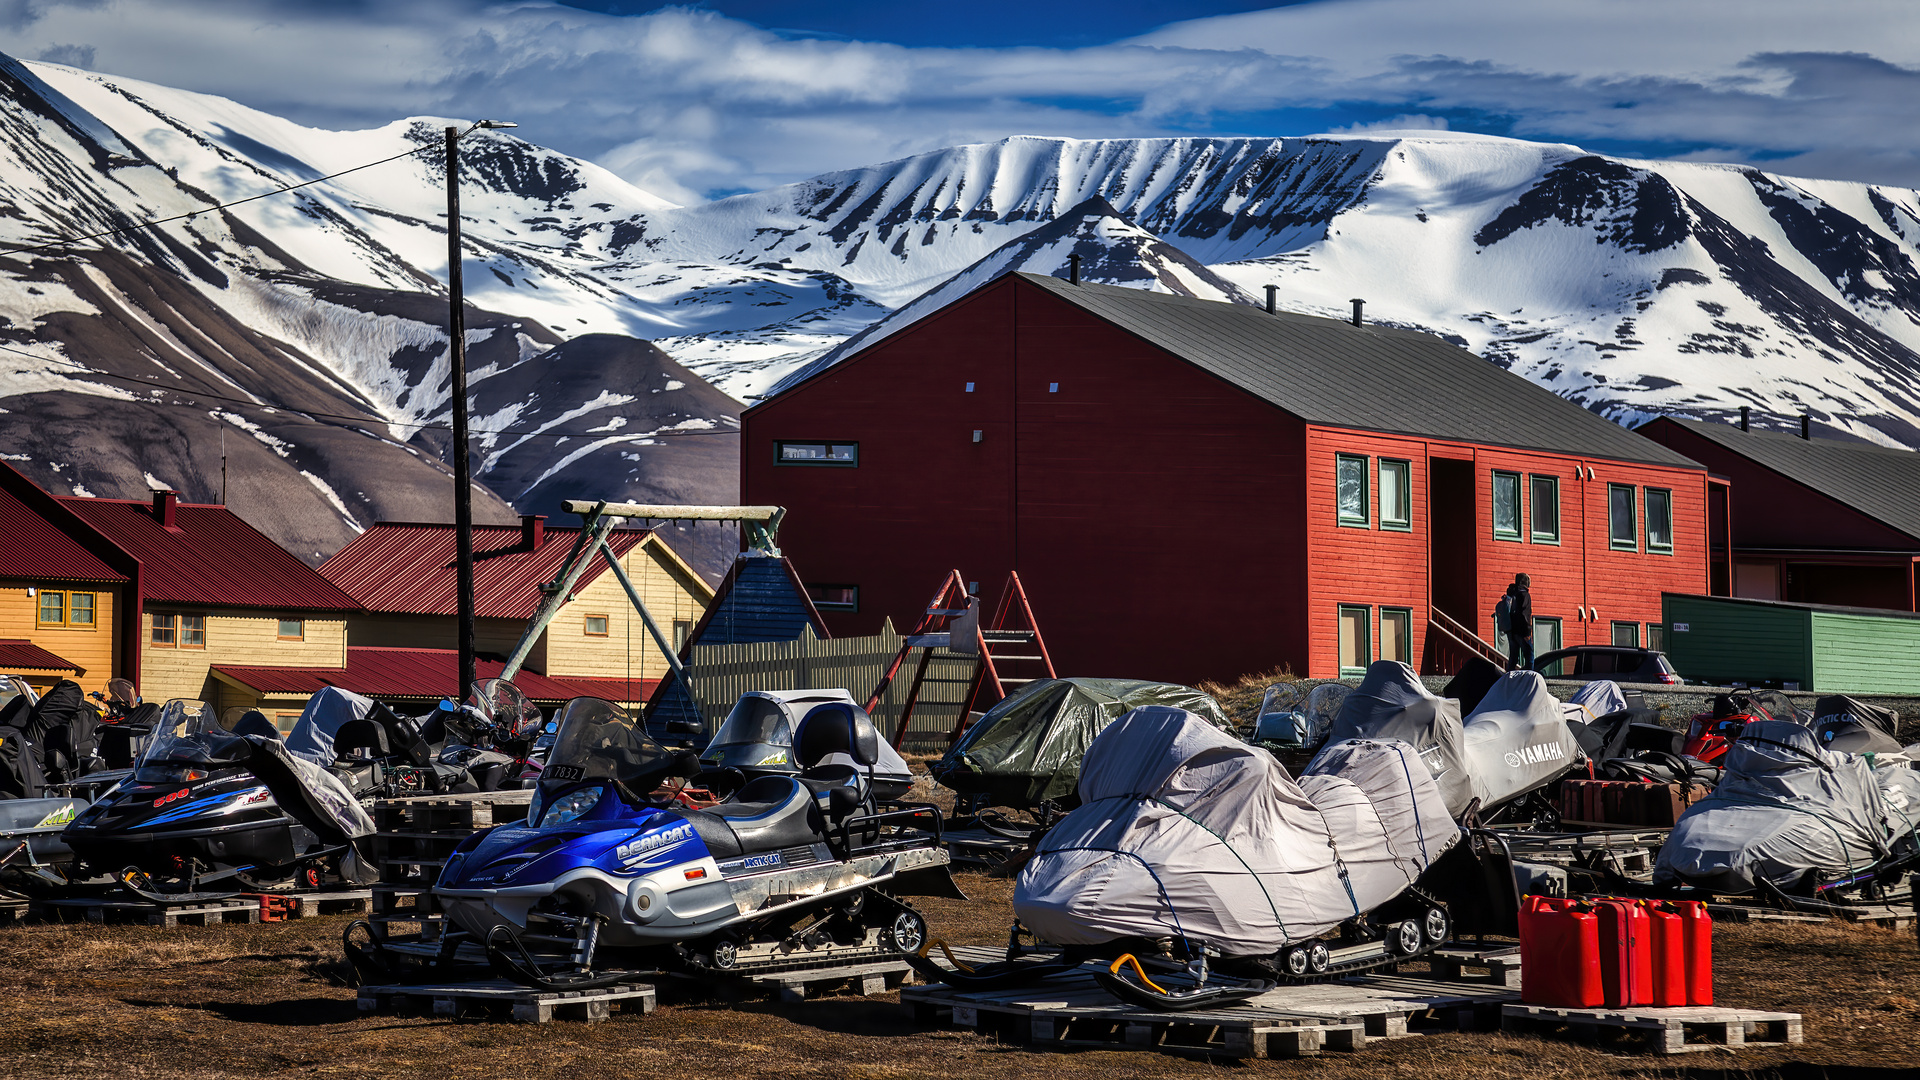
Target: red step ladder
1009,642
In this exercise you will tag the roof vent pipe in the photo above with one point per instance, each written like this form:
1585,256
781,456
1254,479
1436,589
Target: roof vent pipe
163,503
1743,418
1357,305
1806,426
1273,302
1073,269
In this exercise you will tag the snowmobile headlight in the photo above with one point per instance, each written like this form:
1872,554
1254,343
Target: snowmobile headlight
570,806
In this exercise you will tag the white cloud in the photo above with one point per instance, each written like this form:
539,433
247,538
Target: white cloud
1403,122
686,102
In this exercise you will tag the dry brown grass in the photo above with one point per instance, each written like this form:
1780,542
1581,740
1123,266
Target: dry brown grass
1241,698
233,1001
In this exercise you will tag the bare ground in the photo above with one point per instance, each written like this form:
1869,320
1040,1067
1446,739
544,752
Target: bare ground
270,1000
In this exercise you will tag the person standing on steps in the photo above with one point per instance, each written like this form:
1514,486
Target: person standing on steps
1520,637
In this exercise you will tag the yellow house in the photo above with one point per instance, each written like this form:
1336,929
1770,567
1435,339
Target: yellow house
402,575
64,592
211,589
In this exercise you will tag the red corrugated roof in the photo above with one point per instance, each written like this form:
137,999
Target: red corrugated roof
404,567
21,655
422,674
36,548
210,557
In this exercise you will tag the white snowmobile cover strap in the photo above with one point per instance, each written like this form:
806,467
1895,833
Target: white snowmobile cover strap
1517,740
1186,831
321,720
1392,703
1785,806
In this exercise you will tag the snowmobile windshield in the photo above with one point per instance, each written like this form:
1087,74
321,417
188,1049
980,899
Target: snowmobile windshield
12,687
187,739
597,740
1777,706
755,721
1321,707
507,707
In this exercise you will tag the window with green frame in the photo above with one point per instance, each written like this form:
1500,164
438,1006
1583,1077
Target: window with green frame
1396,495
1622,531
1660,520
1350,490
1355,638
1626,634
1396,634
1506,506
1657,636
1545,525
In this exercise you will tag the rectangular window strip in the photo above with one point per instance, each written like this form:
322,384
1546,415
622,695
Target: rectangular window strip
1506,506
1546,509
834,597
1660,520
1396,495
1622,530
842,454
1355,639
1350,490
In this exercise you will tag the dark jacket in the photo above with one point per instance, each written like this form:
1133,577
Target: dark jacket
1522,610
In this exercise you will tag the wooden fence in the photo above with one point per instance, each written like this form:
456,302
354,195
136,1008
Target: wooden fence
721,673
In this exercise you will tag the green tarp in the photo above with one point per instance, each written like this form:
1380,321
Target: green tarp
1027,749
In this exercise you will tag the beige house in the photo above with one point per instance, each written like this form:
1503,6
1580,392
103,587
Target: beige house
402,575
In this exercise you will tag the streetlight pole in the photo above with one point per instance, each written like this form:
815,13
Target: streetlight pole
457,362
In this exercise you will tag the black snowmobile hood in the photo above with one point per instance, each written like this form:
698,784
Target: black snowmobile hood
62,705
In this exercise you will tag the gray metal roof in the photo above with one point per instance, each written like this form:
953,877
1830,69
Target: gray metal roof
1372,378
1880,482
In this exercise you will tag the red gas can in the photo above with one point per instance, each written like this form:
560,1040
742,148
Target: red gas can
1626,961
1560,952
1667,941
1699,936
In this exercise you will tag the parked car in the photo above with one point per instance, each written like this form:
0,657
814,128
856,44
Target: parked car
1621,664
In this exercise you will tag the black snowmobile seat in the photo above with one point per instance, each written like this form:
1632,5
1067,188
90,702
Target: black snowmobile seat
770,813
836,728
359,735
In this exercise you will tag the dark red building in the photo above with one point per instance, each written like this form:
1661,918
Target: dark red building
1816,521
1195,490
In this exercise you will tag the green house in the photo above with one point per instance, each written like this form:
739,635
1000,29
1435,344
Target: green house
1722,640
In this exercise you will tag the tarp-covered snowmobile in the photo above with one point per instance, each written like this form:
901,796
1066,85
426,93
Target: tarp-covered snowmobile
1515,742
609,878
1188,835
757,740
208,807
1791,818
1855,727
1027,749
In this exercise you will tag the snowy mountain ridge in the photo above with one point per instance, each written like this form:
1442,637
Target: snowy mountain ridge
309,326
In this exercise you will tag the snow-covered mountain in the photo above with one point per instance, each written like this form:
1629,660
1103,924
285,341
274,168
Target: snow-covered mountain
306,329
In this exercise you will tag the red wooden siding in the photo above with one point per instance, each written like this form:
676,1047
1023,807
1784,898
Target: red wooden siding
1580,580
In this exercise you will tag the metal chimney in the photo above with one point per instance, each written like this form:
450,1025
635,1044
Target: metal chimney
1743,418
163,504
533,531
1073,269
1357,305
1806,426
1273,302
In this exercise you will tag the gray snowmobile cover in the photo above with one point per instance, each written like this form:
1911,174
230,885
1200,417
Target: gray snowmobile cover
1785,809
1392,703
326,712
1186,831
1517,740
1028,748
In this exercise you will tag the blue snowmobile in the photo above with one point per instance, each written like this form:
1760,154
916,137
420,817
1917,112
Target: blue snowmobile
613,876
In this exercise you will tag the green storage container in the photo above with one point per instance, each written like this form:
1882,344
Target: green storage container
1722,640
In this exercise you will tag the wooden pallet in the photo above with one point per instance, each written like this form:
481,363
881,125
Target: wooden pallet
414,836
862,979
211,913
496,997
1662,1031
1072,1009
13,910
1498,965
1894,916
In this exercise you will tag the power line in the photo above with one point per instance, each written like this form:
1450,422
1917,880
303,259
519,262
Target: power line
548,433
27,249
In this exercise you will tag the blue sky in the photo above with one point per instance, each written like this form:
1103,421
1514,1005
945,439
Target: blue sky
694,102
